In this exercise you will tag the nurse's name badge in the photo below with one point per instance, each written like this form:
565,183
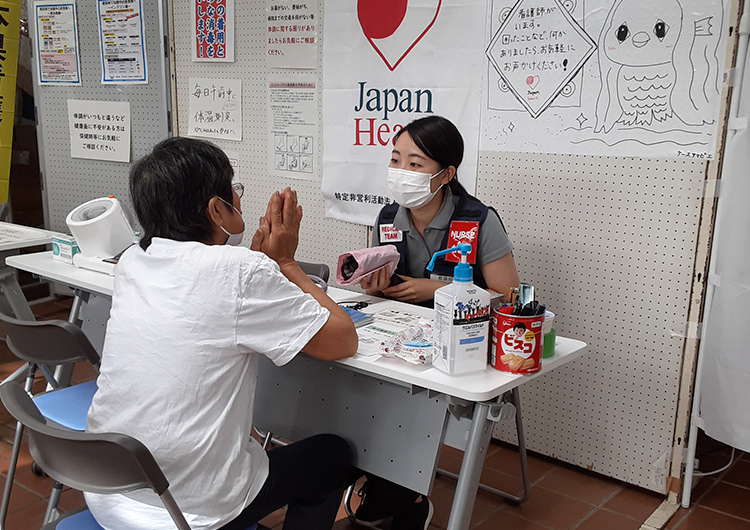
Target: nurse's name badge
463,232
390,234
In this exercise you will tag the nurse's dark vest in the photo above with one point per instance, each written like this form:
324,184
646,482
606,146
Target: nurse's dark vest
467,209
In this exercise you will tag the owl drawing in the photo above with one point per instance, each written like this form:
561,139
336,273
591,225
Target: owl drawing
649,65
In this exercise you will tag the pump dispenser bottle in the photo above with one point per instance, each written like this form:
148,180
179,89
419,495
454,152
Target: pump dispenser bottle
462,320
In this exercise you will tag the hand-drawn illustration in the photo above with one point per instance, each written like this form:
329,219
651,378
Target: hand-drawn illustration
646,76
655,64
536,55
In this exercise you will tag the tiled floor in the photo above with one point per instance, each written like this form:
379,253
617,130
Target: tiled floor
562,496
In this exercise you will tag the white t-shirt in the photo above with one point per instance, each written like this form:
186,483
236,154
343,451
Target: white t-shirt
178,373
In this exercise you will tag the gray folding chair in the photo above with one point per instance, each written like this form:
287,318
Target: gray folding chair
45,345
99,463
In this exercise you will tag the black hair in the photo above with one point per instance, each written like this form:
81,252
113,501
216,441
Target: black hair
519,325
440,140
171,187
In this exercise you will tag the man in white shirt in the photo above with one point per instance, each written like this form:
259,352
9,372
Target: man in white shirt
190,315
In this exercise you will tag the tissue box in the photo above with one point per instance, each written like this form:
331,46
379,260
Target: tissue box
64,248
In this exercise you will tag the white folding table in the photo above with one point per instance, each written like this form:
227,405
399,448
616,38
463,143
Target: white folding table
396,415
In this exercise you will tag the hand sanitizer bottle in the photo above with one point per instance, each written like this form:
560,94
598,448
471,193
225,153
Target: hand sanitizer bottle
462,320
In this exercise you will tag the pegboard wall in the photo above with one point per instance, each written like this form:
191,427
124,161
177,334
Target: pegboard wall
70,181
608,242
321,239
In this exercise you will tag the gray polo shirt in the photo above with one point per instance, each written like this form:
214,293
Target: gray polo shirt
493,241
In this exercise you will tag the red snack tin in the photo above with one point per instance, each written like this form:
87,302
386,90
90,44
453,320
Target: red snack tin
516,343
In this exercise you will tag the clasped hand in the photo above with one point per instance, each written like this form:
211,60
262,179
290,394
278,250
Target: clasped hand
277,235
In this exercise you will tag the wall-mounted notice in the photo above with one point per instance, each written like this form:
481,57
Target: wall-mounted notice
293,126
292,34
215,108
99,130
604,77
57,43
213,30
122,41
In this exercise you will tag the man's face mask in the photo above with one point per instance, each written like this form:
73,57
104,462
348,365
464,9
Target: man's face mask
233,239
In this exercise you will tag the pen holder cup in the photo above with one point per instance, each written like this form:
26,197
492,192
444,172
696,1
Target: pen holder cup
548,349
517,343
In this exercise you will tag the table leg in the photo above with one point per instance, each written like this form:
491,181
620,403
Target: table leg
14,295
471,467
64,372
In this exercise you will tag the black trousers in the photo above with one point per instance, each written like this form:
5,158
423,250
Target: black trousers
310,476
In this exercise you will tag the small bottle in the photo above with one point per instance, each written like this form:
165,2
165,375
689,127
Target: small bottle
462,320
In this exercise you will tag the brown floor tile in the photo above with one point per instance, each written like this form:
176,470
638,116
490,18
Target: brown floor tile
442,499
42,486
20,497
578,484
27,518
507,461
71,500
677,518
729,499
508,520
274,519
611,521
501,481
450,462
700,489
739,474
550,509
701,518
634,502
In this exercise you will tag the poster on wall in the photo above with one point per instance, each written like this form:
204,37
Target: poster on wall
215,109
293,126
604,77
292,34
122,41
99,130
213,30
385,65
57,43
10,18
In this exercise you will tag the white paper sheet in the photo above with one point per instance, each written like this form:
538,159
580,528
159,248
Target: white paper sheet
57,43
604,77
215,108
99,130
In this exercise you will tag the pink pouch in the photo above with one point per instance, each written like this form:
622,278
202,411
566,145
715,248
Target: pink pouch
352,267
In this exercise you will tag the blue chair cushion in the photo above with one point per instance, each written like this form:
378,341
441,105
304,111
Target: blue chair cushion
85,521
78,521
67,406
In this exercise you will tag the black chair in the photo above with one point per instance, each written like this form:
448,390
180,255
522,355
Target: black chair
318,272
45,345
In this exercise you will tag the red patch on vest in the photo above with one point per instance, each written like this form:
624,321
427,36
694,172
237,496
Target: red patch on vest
463,232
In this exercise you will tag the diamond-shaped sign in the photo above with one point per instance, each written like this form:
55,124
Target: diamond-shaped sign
539,48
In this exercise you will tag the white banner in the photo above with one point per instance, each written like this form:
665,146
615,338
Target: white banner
384,67
604,77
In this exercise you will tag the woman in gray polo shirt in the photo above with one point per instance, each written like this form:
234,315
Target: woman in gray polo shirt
432,212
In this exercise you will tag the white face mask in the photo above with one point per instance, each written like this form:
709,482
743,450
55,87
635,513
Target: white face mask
411,189
233,239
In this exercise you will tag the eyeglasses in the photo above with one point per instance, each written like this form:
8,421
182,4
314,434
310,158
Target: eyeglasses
238,188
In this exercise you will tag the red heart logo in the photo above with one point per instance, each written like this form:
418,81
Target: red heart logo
394,27
532,81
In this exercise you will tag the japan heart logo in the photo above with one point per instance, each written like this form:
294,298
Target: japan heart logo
532,81
394,27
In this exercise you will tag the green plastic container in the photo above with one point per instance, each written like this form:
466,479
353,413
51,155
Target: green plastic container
549,344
